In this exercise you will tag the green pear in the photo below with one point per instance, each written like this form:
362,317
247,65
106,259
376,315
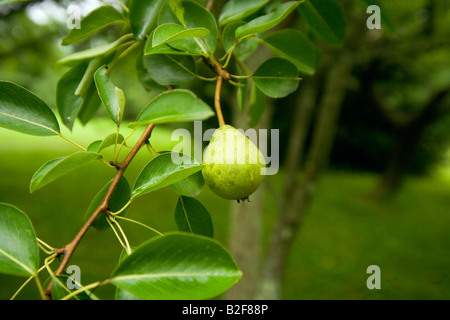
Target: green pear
234,166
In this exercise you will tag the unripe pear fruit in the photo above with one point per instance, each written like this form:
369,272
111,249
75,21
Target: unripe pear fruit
234,166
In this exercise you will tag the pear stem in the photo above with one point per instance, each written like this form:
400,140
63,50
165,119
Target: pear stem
217,101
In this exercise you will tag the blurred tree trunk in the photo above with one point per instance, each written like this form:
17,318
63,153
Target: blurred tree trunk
409,135
299,195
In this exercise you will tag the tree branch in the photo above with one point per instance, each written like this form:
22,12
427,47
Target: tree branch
103,207
217,101
210,5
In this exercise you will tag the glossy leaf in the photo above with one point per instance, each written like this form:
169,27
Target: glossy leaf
164,170
56,168
268,21
96,20
294,46
276,77
190,186
239,9
119,199
113,98
170,70
164,49
23,111
326,19
177,105
229,34
91,53
177,9
88,90
19,252
242,48
177,266
170,32
143,16
121,294
110,140
246,47
195,16
60,289
91,103
67,103
145,77
192,217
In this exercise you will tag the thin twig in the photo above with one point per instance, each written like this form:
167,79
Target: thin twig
210,5
217,101
140,224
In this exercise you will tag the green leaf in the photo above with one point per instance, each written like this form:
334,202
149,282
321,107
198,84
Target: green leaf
177,266
90,53
96,20
268,21
177,105
119,199
91,104
326,19
229,34
110,140
294,46
170,31
67,103
164,49
177,9
56,168
143,15
195,16
257,105
88,90
93,147
276,77
191,216
19,252
190,186
239,9
170,70
120,294
60,289
22,111
145,77
112,97
244,47
164,170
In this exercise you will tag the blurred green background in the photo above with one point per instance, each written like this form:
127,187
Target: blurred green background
344,232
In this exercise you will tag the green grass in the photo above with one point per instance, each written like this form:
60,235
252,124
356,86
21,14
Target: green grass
343,233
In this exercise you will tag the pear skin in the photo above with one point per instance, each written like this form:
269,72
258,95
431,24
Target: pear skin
234,166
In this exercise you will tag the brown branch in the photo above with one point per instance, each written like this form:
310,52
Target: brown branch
210,5
217,101
103,207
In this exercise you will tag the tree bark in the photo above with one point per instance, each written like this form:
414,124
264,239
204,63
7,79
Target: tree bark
298,198
300,127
